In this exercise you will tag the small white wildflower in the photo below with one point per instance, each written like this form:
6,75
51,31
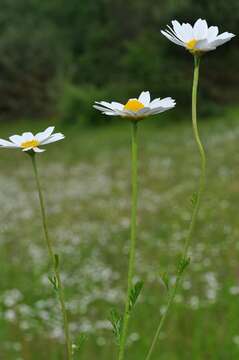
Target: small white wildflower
198,38
194,302
27,141
136,108
234,290
235,339
12,297
10,315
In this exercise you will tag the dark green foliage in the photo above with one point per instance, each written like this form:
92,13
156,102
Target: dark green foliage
75,104
57,57
31,59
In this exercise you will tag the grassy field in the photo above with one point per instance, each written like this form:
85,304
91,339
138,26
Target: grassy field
86,182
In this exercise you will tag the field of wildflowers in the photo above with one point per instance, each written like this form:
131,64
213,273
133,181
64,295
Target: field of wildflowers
86,179
92,225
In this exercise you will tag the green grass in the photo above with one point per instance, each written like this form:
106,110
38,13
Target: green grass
86,181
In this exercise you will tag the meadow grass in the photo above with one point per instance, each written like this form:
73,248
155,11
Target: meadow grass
86,181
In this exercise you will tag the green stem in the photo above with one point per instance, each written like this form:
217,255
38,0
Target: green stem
134,197
53,260
195,208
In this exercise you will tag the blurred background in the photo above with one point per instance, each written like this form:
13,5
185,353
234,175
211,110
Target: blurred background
56,59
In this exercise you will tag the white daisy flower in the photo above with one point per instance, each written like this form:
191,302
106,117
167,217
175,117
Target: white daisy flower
136,108
198,38
27,141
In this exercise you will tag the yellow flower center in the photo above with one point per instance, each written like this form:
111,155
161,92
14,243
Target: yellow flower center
191,45
30,143
134,105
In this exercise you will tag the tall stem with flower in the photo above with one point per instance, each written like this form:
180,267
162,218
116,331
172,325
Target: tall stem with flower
135,110
134,200
197,39
56,279
30,143
184,261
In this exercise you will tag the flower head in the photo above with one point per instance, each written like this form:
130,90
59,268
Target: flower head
198,38
27,141
136,109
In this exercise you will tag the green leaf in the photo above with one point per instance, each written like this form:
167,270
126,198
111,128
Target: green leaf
79,343
134,294
194,198
116,320
183,264
53,280
165,279
81,340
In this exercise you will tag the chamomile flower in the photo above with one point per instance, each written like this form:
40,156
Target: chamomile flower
198,38
27,141
136,108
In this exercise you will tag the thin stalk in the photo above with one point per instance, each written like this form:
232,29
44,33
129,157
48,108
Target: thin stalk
54,260
196,204
134,198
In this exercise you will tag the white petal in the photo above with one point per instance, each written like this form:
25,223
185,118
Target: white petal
212,33
16,139
222,39
49,130
177,27
225,35
168,101
144,98
7,144
143,112
45,134
126,113
187,32
214,44
117,105
204,45
27,136
172,38
118,112
111,106
37,150
172,32
101,108
157,110
161,109
162,105
105,110
111,113
200,29
115,111
53,138
154,103
101,103
105,106
27,149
